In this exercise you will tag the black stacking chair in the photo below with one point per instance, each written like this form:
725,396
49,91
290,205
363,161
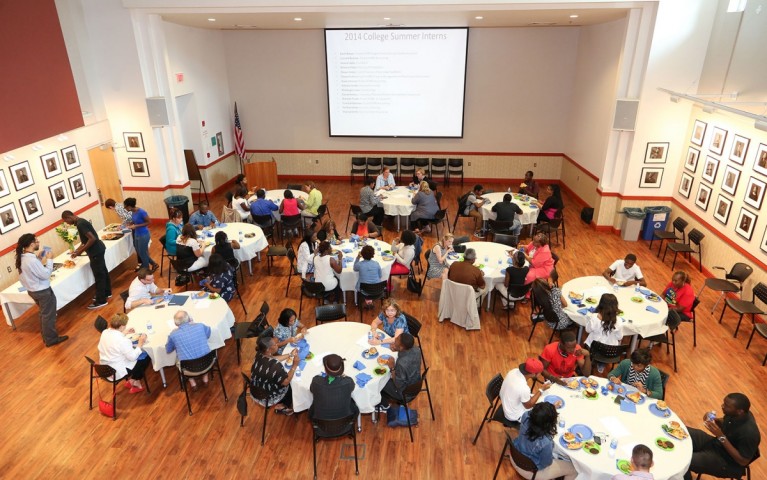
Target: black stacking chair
108,374
406,169
742,307
439,167
520,459
508,240
197,368
164,254
371,291
329,313
669,336
311,290
454,167
608,354
409,394
392,163
695,237
494,412
359,166
340,427
354,210
514,294
731,283
679,225
258,394
748,467
373,167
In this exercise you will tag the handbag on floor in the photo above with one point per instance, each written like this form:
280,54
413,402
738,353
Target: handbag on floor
106,408
413,284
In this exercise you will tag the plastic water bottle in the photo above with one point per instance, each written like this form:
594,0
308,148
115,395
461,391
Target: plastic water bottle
636,287
615,288
149,329
613,447
710,416
166,297
370,335
562,423
508,190
242,237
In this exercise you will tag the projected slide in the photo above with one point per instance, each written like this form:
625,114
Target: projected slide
396,82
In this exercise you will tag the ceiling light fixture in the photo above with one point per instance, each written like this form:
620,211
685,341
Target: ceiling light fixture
711,107
479,17
37,147
211,19
62,138
9,158
573,16
297,19
387,18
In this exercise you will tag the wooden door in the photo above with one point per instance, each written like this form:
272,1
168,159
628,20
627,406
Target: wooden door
108,183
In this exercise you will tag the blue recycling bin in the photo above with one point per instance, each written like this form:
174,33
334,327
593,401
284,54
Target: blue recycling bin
656,219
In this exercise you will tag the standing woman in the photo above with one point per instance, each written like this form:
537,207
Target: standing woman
140,227
552,204
35,275
426,207
438,258
538,254
173,230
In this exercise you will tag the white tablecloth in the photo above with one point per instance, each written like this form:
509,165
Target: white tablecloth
494,260
278,195
249,247
635,319
67,283
603,415
348,277
347,339
213,313
398,203
529,214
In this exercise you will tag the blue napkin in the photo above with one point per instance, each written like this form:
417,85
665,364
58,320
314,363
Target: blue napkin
359,365
532,205
221,225
22,289
354,237
628,406
644,291
302,343
652,309
592,309
347,250
583,311
510,261
301,364
303,352
363,379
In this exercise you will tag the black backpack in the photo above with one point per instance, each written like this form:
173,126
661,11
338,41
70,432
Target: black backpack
463,202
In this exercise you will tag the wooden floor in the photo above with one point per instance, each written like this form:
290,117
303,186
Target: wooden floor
49,432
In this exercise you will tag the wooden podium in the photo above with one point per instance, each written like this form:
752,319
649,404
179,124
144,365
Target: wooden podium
262,174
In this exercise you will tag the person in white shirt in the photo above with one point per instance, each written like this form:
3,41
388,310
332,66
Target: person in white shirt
625,272
385,181
117,351
515,394
305,251
143,291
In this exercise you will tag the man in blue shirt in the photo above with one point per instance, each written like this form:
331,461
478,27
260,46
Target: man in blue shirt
385,181
262,207
203,217
189,340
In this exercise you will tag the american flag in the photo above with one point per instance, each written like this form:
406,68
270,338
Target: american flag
239,143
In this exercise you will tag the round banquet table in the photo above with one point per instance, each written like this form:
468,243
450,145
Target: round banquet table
529,209
213,313
492,259
249,247
603,416
347,339
277,196
348,277
636,319
398,203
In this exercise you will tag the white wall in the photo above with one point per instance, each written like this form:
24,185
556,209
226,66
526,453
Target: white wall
518,92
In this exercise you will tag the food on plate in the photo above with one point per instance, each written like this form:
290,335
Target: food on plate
637,299
576,296
590,392
675,430
624,466
111,236
620,313
574,445
382,360
585,381
372,351
591,447
620,282
379,370
661,405
610,387
114,227
664,444
653,297
591,300
593,383
569,437
214,296
289,361
572,384
558,404
69,264
674,424
635,397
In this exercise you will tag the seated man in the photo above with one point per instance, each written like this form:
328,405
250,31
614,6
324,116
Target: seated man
405,372
641,462
529,186
385,180
465,272
142,290
473,203
312,202
262,207
190,341
516,397
370,203
626,271
507,211
560,358
203,217
333,392
734,443
125,215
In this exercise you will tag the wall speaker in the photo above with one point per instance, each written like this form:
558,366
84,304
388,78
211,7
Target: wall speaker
157,109
625,115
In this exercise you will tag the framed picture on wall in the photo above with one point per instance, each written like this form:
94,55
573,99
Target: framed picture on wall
746,223
9,219
739,149
698,132
77,185
722,209
685,185
21,175
754,193
730,179
651,177
71,158
760,162
4,188
709,169
703,197
134,142
718,137
59,195
691,163
656,152
220,143
51,164
30,207
138,167
763,246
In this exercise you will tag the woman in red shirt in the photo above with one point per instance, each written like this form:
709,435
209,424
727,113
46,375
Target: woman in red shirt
679,295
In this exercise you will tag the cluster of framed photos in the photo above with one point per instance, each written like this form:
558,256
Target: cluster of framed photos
134,142
754,192
657,152
53,165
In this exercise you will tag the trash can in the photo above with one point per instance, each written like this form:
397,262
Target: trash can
632,223
181,202
657,218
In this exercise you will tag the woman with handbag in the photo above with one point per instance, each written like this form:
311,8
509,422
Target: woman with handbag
117,351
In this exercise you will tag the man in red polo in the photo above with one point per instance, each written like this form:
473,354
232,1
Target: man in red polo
560,359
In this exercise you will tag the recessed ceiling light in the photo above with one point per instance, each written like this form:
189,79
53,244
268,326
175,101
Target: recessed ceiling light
573,16
478,18
211,19
298,19
387,18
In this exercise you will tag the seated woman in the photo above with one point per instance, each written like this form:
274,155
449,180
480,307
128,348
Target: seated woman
601,326
117,351
538,254
290,206
391,320
535,441
220,278
188,238
332,233
173,230
287,329
326,266
269,375
240,203
551,206
679,295
550,297
364,228
224,246
369,270
515,275
438,258
305,251
638,373
404,253
426,207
